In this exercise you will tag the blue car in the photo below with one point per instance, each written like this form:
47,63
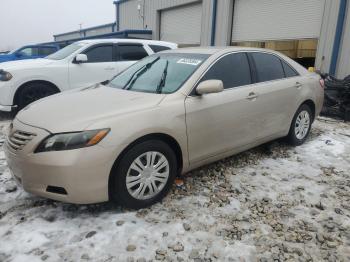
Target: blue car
29,52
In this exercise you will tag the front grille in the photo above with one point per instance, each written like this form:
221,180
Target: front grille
18,139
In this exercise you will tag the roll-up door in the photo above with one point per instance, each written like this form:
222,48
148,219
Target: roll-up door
182,24
277,19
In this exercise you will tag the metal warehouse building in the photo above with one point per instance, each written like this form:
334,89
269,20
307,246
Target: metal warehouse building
105,31
92,31
313,32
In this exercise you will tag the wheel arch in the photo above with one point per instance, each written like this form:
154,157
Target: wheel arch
169,140
312,106
15,98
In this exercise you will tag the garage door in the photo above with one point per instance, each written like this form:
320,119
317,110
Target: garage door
277,19
182,25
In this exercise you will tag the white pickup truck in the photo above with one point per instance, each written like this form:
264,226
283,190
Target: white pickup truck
80,64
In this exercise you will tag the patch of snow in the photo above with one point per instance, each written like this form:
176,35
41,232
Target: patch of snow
245,208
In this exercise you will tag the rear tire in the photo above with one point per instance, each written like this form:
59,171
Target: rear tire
149,181
301,126
33,92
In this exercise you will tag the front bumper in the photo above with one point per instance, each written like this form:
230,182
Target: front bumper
6,96
82,173
6,108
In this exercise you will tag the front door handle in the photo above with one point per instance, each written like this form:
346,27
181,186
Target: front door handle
252,96
109,68
298,85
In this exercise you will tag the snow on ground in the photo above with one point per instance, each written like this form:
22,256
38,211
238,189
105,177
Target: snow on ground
272,203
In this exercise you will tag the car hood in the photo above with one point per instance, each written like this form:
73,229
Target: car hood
78,109
27,63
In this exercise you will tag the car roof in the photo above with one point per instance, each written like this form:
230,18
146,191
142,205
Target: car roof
216,49
123,40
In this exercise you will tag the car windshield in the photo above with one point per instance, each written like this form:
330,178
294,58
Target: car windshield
159,73
65,52
14,51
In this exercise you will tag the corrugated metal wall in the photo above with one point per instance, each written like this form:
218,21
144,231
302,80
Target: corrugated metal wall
174,24
206,22
223,22
93,31
277,19
325,43
130,18
72,35
99,31
344,56
149,15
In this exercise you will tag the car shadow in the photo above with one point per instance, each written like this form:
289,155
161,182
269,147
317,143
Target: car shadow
278,148
64,210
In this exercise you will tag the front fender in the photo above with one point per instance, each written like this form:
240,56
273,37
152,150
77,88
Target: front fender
23,77
125,129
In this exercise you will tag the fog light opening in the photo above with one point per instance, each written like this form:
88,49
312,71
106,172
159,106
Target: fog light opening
56,190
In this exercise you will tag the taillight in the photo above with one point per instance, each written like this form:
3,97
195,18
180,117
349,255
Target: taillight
322,83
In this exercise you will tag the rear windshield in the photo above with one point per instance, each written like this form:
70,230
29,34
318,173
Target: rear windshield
159,73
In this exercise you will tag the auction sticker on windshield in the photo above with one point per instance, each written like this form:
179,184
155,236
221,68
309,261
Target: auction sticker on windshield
189,61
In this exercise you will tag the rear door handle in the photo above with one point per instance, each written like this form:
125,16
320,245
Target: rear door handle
252,96
109,68
298,85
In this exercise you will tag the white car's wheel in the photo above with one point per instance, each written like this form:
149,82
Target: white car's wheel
32,92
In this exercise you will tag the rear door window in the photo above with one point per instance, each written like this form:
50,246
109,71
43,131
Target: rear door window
131,52
268,67
100,54
288,70
233,70
159,48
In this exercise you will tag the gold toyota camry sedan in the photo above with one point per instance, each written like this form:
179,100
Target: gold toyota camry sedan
174,111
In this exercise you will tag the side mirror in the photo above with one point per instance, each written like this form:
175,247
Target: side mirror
19,54
209,87
81,58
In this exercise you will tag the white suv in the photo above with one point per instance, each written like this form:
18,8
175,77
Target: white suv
81,64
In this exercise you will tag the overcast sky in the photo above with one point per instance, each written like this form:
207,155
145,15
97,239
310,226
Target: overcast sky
33,21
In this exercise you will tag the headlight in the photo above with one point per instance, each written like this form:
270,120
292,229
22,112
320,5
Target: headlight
5,76
69,141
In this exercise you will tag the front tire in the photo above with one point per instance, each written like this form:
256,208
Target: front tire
33,92
144,175
301,126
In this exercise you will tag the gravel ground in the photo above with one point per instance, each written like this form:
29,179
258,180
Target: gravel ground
272,203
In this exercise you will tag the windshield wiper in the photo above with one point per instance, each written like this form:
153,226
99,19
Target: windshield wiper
138,73
163,79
